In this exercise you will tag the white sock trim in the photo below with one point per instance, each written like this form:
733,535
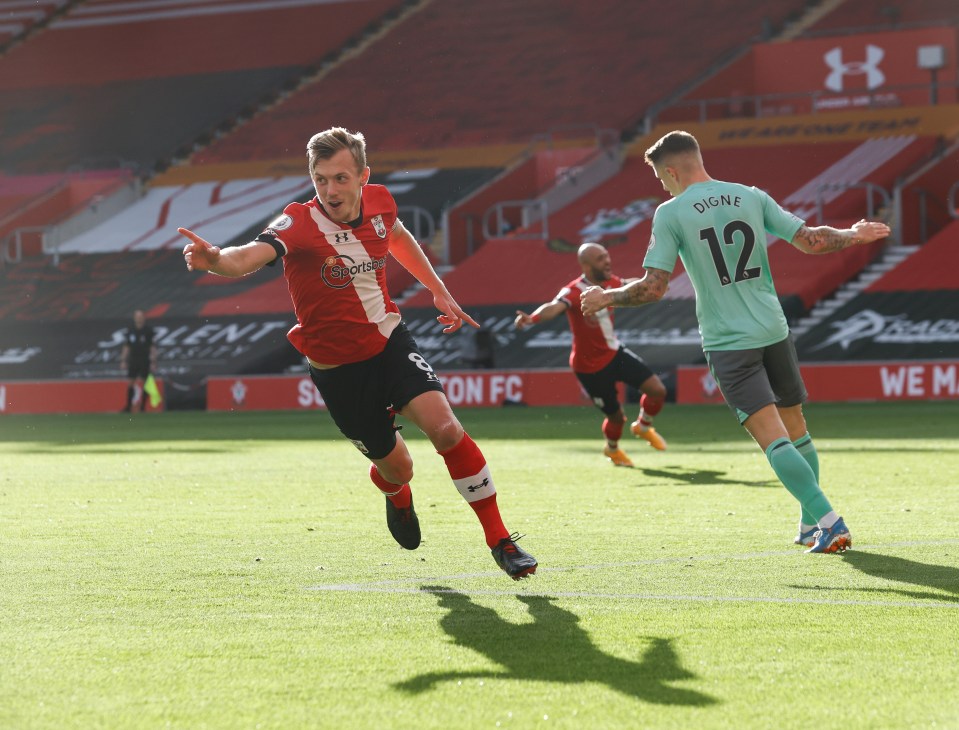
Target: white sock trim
828,520
477,487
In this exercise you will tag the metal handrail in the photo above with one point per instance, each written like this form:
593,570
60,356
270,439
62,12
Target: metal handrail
869,187
11,255
924,197
421,232
527,207
14,255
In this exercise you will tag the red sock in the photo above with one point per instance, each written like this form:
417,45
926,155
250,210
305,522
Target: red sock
487,511
612,430
649,407
399,494
471,475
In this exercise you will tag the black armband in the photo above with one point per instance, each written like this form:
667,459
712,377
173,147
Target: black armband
277,246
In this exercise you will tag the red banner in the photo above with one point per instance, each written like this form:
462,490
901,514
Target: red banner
874,381
464,389
862,70
66,396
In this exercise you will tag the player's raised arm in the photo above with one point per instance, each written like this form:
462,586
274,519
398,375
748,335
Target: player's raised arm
201,255
408,253
826,239
543,313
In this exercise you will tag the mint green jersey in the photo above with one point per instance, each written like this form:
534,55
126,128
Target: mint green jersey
718,229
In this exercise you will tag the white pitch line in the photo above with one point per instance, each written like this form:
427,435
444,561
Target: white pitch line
359,588
395,585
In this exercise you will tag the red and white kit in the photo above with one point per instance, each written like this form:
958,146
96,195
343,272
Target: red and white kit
349,316
594,341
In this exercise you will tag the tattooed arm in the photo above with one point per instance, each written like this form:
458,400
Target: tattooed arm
650,288
826,239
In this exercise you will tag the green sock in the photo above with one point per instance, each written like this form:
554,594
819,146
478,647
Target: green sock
798,477
807,448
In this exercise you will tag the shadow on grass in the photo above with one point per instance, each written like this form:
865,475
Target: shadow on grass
703,477
553,648
943,578
890,567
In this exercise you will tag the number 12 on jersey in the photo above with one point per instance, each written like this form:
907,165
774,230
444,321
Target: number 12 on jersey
715,248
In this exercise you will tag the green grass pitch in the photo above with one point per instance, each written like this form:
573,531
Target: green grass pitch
197,570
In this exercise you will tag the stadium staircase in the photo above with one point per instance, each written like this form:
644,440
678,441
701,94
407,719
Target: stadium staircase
891,257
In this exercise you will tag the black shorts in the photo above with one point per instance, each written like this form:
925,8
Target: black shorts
138,369
362,396
753,379
625,367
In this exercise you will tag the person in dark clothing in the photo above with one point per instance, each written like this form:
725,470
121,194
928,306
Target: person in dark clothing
138,357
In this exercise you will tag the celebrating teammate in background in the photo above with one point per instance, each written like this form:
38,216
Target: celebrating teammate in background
362,358
718,229
598,359
138,357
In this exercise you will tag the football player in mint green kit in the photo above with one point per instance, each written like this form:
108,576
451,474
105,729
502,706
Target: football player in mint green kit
719,229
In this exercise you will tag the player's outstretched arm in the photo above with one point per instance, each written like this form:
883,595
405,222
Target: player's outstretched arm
201,255
826,239
407,251
651,288
543,313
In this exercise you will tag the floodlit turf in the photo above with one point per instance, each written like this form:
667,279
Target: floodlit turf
235,571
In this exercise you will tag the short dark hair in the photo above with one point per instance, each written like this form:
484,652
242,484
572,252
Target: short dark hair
323,145
671,144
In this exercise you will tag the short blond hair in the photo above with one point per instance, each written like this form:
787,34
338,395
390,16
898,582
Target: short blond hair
323,145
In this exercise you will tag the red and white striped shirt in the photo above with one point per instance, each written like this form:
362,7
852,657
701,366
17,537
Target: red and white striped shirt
594,341
336,275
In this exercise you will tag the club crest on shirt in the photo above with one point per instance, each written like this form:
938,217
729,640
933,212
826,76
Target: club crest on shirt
379,226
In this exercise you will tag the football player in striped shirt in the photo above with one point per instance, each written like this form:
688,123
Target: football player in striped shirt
362,358
599,360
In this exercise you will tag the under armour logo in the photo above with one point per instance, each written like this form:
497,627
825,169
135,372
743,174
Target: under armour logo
474,487
869,67
342,237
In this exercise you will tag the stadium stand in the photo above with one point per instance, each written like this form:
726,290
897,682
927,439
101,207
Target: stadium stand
911,312
933,267
456,99
877,161
877,15
19,17
618,214
141,82
102,41
234,211
219,211
926,204
468,219
464,70
31,204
